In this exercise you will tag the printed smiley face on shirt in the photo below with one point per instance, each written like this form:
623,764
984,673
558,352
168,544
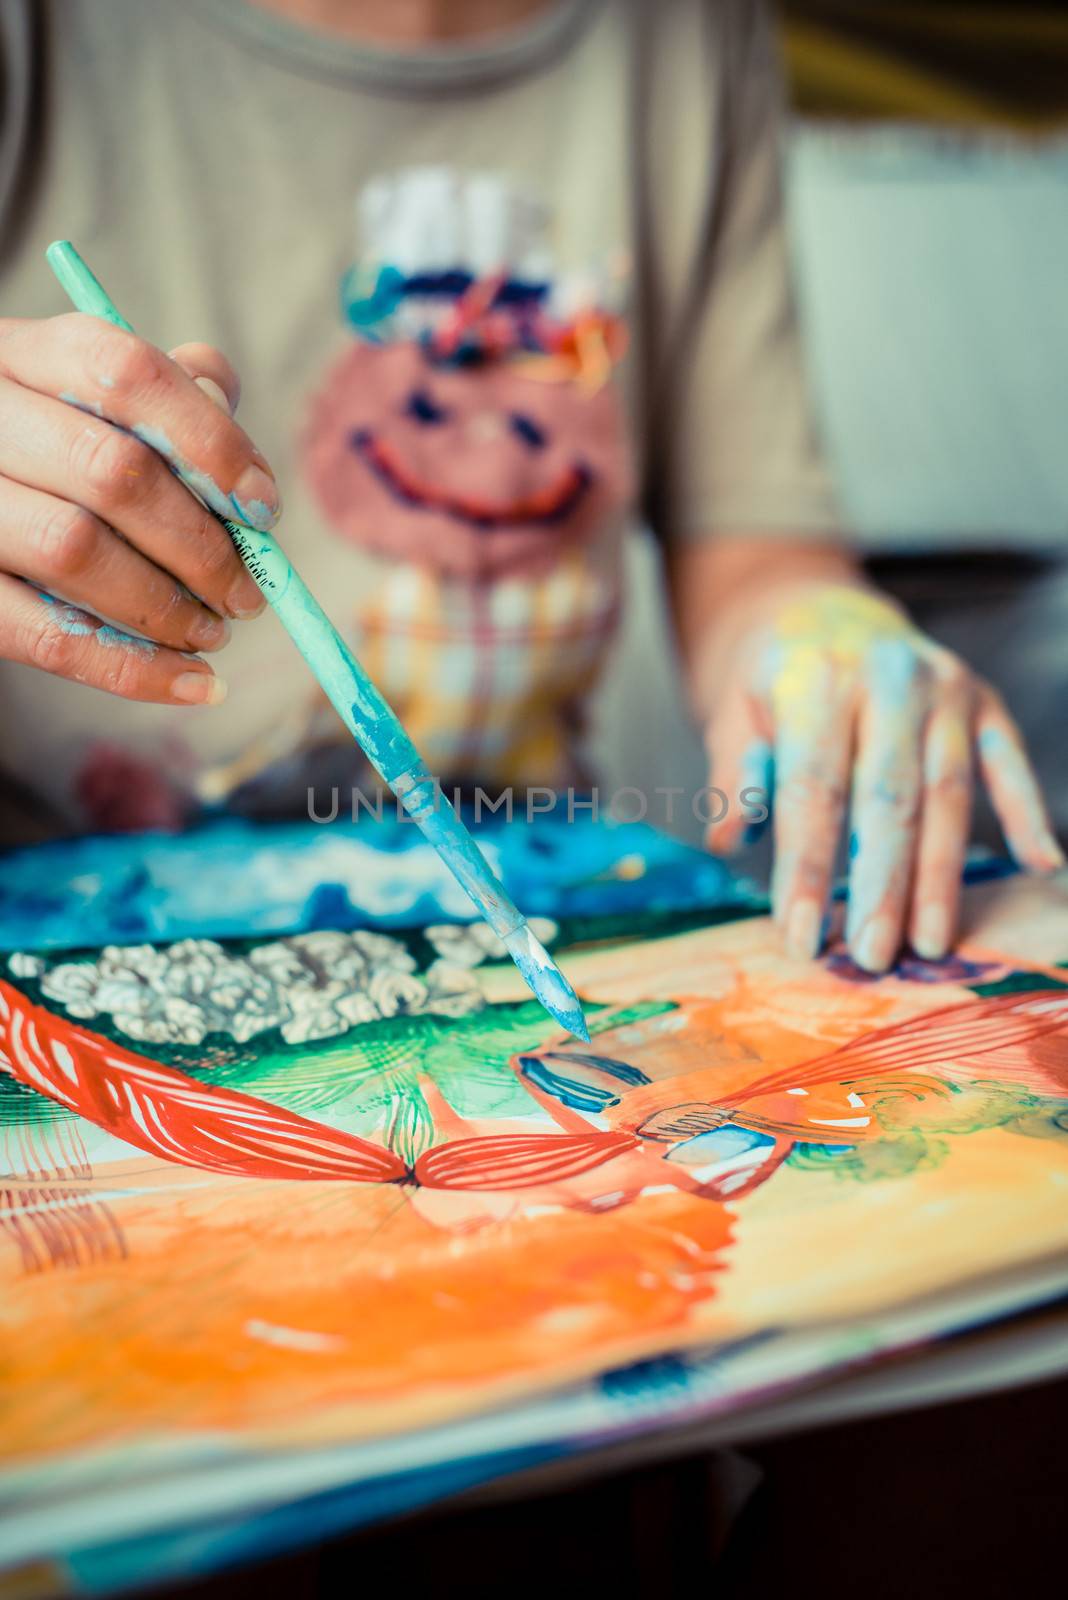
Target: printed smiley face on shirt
476,471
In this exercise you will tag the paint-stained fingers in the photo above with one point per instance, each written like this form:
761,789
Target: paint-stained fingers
813,753
741,769
887,792
945,822
49,446
210,369
1013,788
67,551
39,631
116,375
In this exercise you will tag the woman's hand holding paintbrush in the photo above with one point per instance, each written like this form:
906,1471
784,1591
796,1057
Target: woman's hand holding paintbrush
353,694
90,515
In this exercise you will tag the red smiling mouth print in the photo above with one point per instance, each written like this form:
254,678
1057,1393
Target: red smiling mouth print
475,472
548,504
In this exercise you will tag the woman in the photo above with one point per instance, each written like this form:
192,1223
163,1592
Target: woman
567,291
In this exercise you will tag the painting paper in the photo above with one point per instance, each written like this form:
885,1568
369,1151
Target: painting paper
274,1200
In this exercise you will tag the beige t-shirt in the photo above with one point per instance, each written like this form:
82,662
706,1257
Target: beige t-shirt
486,302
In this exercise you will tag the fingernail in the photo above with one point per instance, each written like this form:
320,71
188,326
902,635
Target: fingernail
803,930
877,946
246,599
256,499
1053,855
214,393
208,632
931,938
199,688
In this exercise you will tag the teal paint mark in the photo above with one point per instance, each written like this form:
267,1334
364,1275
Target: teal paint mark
202,484
257,513
893,670
366,305
76,623
547,981
91,406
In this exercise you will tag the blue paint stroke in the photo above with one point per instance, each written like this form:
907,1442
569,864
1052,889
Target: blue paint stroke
570,1092
719,1144
230,878
577,1093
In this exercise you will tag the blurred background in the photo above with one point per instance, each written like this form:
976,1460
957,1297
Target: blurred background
927,183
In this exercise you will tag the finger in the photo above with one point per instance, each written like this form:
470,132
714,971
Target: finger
120,377
70,553
886,801
1014,789
47,445
813,753
741,767
945,824
210,369
40,631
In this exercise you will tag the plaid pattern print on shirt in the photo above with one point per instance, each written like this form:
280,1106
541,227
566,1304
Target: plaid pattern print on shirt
488,678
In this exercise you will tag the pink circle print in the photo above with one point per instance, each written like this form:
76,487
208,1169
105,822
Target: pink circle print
478,472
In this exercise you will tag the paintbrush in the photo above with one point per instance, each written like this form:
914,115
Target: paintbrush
364,711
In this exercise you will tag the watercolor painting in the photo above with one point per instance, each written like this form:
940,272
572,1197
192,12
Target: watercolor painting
463,1210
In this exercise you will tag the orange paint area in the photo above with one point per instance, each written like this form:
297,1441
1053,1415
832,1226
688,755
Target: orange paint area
236,1267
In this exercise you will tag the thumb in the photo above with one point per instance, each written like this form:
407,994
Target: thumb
211,372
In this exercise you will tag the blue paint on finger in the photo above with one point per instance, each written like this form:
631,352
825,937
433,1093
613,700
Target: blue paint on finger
757,788
93,407
75,622
255,513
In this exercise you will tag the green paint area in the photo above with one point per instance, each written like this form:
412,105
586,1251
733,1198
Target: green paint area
20,1105
915,1125
372,1079
1018,983
873,1160
964,1108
